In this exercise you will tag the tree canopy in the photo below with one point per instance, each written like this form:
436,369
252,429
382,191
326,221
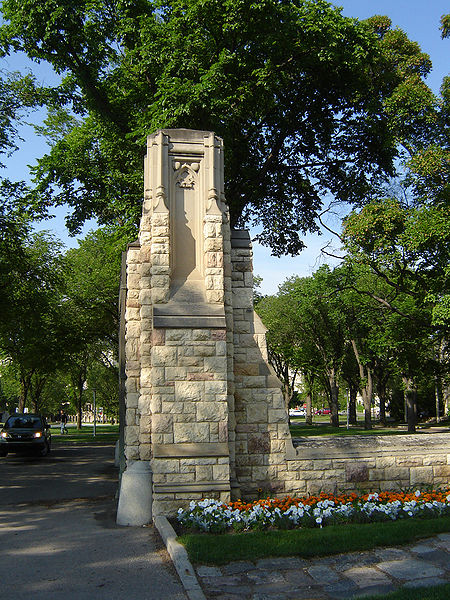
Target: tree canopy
309,102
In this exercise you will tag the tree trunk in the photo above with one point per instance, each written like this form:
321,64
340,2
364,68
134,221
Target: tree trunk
334,399
353,391
411,403
308,403
366,389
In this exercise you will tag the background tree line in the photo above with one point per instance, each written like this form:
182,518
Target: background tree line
311,105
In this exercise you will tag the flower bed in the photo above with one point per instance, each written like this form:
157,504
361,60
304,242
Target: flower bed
314,511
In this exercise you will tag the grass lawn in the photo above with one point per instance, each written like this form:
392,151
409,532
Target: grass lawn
321,426
103,434
436,592
217,549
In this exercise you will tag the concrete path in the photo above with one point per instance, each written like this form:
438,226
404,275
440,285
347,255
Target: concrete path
344,576
59,539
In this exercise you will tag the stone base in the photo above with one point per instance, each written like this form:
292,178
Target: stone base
135,496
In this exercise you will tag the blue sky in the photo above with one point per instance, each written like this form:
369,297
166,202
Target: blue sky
418,18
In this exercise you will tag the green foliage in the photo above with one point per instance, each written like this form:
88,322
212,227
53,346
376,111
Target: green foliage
308,102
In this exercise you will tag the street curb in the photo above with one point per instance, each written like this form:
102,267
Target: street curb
180,559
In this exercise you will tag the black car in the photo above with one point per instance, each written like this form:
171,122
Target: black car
27,433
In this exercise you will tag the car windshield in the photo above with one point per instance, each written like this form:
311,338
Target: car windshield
23,423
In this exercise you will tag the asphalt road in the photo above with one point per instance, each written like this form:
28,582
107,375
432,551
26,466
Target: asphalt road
59,539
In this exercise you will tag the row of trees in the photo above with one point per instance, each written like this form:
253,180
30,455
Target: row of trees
59,327
377,324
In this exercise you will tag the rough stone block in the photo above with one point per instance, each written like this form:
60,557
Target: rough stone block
162,423
191,432
164,356
420,475
189,390
211,411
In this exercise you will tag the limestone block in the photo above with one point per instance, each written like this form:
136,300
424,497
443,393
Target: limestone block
130,416
161,260
213,245
356,472
164,356
201,334
133,256
160,220
146,269
155,404
254,381
216,387
199,376
385,461
277,415
221,349
145,297
175,373
189,390
132,314
165,465
145,451
409,461
434,459
223,431
214,364
191,432
132,399
131,435
133,330
221,472
167,438
145,283
257,412
419,475
131,384
398,473
179,335
211,411
145,423
204,473
215,296
259,443
160,281
146,377
315,487
162,423
132,452
160,295
190,361
441,470
160,231
146,312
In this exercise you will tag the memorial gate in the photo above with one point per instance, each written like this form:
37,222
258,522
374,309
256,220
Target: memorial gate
202,412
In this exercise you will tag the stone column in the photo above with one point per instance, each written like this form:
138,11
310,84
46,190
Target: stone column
203,409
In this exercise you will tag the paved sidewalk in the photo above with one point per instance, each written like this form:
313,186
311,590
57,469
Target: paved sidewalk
343,576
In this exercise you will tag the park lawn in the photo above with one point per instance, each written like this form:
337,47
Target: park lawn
435,592
299,428
103,434
218,549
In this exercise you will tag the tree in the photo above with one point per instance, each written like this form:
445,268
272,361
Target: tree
31,319
308,102
92,278
408,250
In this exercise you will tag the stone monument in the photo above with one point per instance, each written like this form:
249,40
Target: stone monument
202,407
202,413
